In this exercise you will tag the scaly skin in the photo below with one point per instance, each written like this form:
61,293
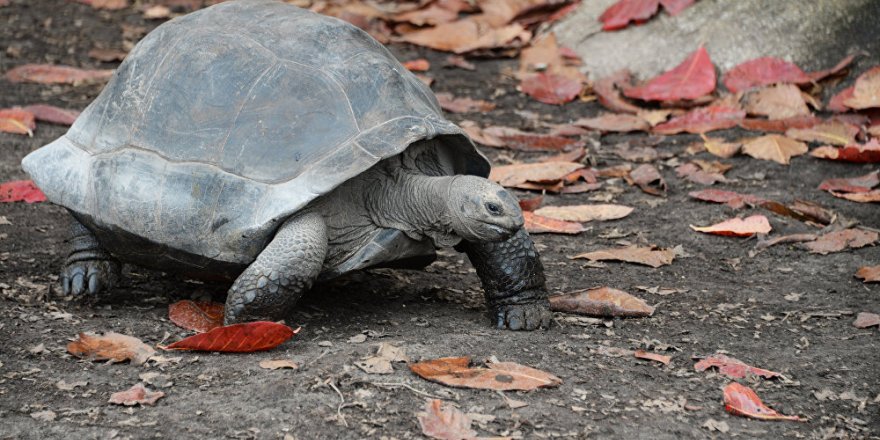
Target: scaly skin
286,269
513,281
88,268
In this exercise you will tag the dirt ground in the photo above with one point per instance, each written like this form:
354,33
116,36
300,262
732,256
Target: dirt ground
783,309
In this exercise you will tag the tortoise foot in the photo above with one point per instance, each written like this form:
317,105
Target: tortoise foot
529,316
90,277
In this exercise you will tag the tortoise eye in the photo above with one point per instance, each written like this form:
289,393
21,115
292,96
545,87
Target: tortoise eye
494,208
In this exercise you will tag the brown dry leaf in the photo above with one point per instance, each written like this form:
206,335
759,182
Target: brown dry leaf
859,153
608,90
663,359
531,204
781,101
732,367
135,395
865,320
864,197
445,422
525,141
454,104
718,147
602,302
743,401
509,175
499,376
110,346
17,121
110,5
543,55
834,132
460,62
466,35
375,365
866,91
275,364
107,55
537,224
615,122
774,147
738,227
649,180
694,173
852,184
654,117
841,240
869,274
432,15
157,12
52,74
779,125
649,256
475,132
585,213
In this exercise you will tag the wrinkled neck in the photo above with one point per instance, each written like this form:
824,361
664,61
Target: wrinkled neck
415,204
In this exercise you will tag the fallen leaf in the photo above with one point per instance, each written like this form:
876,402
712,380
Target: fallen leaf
858,184
417,65
841,240
608,91
642,354
107,55
237,338
837,103
463,105
525,141
392,353
445,422
649,256
864,197
460,62
475,132
615,122
52,74
718,147
52,114
499,376
793,238
738,227
375,365
779,125
835,133
531,204
199,316
433,15
655,117
551,88
45,415
741,400
157,12
762,72
674,7
545,55
536,224
819,75
692,172
782,101
779,149
733,199
110,5
276,364
865,320
649,180
585,213
859,153
731,367
866,90
509,175
602,302
110,346
17,121
466,35
702,120
135,395
621,13
692,79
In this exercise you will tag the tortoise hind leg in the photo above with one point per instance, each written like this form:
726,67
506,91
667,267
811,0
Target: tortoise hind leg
88,268
513,281
286,269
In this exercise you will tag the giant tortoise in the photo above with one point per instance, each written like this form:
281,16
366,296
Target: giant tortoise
260,142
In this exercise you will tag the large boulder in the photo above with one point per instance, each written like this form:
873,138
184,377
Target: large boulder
814,34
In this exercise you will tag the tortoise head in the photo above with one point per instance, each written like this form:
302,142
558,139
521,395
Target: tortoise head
482,210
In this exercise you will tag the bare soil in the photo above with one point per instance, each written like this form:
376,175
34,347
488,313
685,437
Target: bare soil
783,309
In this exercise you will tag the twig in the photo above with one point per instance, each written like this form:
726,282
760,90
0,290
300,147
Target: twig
419,392
341,403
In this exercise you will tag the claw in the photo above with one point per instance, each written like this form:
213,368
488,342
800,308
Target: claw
65,284
76,283
94,283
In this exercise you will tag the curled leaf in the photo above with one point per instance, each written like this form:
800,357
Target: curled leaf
52,74
538,224
731,367
52,114
445,422
859,153
17,121
741,400
649,180
601,302
838,241
199,316
500,376
738,227
509,175
136,395
702,120
642,354
110,346
648,256
869,274
585,213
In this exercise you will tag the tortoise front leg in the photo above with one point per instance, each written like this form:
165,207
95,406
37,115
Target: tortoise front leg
88,267
286,269
513,281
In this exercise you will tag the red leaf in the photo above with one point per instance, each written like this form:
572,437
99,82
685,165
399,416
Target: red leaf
20,191
674,7
52,114
741,400
237,338
703,120
52,74
692,79
551,88
199,316
731,367
761,72
621,13
836,104
864,153
608,91
418,65
17,121
537,224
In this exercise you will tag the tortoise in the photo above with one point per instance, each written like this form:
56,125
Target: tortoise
260,142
